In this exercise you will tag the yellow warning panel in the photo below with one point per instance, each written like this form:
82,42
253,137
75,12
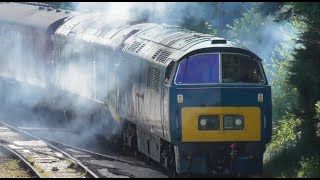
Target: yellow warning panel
191,132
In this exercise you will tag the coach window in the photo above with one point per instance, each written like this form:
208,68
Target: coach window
168,73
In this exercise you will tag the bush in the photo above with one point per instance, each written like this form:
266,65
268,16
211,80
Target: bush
285,133
310,167
282,156
286,156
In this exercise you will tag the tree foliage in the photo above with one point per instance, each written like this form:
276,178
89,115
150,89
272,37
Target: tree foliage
303,72
304,69
269,8
286,132
63,5
201,26
284,95
310,167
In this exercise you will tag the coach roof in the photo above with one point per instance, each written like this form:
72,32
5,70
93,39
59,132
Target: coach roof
34,16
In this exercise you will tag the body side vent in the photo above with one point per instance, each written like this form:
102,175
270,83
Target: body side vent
155,79
134,46
140,47
163,56
157,53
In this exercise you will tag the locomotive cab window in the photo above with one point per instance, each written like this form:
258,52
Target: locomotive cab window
168,73
238,68
198,69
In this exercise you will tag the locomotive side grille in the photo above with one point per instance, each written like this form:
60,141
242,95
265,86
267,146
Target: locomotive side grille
156,54
155,79
140,47
163,57
134,46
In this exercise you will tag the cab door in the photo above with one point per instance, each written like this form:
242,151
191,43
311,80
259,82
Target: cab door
164,102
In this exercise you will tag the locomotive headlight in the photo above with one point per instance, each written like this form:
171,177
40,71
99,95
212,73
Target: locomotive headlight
233,122
238,122
208,122
203,122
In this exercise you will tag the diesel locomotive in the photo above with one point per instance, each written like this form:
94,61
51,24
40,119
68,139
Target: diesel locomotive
195,103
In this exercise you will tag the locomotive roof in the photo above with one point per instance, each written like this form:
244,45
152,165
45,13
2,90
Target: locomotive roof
172,43
153,42
35,16
96,28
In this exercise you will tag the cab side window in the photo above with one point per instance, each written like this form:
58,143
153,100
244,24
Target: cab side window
168,73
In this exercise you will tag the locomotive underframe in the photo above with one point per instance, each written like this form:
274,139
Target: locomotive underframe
215,158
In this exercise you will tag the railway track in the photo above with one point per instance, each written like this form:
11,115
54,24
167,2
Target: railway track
114,164
85,155
47,161
8,155
91,159
90,163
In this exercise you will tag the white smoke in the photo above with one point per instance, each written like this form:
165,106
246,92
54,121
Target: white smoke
157,12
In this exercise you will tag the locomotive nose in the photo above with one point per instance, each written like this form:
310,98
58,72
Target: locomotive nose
220,124
222,129
226,114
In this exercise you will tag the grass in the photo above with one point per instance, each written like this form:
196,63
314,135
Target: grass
12,169
41,171
30,159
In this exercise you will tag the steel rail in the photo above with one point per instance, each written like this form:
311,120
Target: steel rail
83,167
23,161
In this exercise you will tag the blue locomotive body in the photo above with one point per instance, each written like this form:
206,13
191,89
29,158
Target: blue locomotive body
202,83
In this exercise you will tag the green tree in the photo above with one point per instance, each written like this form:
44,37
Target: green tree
305,67
269,8
284,95
199,24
